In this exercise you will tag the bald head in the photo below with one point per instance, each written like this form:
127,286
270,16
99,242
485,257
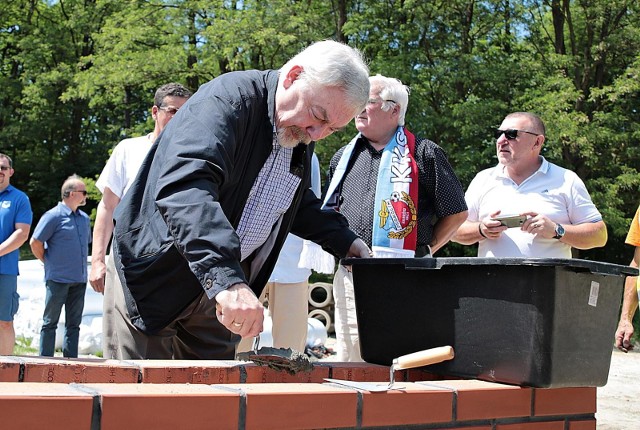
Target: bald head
535,122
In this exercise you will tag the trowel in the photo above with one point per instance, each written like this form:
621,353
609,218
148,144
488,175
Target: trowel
409,361
279,359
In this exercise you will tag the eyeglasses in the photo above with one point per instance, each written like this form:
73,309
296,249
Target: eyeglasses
84,192
169,110
511,133
374,101
5,168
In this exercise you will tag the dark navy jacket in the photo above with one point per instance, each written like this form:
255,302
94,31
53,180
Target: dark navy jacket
175,228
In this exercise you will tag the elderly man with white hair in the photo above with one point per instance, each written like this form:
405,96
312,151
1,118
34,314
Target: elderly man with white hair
199,232
398,192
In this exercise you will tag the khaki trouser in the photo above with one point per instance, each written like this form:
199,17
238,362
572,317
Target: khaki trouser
195,334
288,309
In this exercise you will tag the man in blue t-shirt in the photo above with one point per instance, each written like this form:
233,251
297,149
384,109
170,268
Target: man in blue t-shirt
15,223
61,241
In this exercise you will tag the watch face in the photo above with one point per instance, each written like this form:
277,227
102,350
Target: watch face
559,231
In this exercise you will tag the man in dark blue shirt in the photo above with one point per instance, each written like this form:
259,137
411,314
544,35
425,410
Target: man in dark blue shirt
66,232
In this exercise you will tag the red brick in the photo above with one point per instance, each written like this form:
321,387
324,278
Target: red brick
9,369
166,406
262,374
485,400
50,406
299,406
565,401
549,425
189,371
87,370
417,375
487,427
414,404
582,425
364,372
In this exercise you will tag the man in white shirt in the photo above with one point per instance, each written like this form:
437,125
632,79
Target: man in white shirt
116,178
556,208
120,171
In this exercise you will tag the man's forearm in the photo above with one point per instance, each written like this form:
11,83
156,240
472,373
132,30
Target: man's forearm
467,233
630,299
15,241
585,236
445,228
102,231
37,248
101,234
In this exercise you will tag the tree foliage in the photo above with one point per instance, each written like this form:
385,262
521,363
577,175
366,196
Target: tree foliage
79,75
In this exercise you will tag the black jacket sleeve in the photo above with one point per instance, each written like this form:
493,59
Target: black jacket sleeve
196,166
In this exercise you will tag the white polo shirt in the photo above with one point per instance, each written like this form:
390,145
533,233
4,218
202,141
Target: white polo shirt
123,165
552,190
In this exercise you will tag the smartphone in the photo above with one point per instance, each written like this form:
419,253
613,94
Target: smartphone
511,221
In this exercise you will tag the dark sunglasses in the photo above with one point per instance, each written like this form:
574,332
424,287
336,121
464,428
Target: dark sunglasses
511,133
84,192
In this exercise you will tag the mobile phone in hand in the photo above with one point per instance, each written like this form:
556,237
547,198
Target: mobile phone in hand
511,221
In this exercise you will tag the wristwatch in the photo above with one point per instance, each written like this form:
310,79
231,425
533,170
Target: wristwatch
559,231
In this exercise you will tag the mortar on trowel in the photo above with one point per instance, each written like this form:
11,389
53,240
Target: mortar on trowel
280,359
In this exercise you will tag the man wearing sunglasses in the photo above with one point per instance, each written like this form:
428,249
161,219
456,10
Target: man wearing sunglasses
549,208
66,232
115,180
118,175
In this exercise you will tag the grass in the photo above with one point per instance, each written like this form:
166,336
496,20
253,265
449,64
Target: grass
24,346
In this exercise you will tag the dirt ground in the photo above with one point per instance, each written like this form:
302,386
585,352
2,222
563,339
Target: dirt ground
619,400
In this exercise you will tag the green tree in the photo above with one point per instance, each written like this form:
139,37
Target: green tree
49,137
584,51
79,75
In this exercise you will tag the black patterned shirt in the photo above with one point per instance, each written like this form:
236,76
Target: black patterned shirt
440,193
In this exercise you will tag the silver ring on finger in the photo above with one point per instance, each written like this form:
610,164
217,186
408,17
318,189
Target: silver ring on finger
236,324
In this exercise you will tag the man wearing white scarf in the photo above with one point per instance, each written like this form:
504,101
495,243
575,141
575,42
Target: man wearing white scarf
398,192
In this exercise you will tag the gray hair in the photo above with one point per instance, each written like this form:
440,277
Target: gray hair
391,91
69,185
334,64
171,89
6,157
536,122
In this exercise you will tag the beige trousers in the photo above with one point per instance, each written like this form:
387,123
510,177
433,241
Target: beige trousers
346,324
288,308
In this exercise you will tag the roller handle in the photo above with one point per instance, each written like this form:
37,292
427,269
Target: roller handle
423,358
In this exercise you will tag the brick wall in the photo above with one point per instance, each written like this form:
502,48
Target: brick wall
57,393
